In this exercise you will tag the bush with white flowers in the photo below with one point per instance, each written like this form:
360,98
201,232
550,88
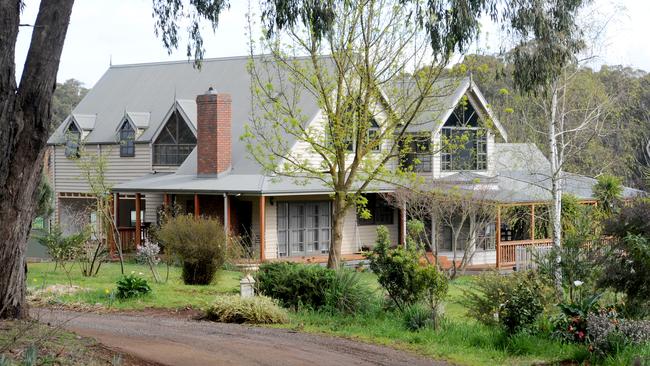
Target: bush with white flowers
149,254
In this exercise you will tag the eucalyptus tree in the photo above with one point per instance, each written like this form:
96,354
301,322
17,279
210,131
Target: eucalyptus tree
548,44
25,117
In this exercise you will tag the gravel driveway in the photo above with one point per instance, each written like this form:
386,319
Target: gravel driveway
173,341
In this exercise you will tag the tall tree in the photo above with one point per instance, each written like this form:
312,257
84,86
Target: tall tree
548,43
362,86
25,116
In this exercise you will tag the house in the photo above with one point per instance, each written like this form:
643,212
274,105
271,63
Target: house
171,135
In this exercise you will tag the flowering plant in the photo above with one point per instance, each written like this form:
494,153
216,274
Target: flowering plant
148,253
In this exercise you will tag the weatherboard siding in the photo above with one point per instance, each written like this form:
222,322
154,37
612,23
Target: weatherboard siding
69,178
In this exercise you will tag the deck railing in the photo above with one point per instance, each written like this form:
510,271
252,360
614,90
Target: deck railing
508,250
127,237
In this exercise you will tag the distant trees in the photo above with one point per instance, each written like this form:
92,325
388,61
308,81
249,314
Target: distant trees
66,96
620,148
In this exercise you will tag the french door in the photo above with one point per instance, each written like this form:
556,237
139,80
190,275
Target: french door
303,228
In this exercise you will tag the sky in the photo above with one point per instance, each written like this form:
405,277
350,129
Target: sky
102,32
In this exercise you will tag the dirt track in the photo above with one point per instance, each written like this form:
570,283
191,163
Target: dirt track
174,341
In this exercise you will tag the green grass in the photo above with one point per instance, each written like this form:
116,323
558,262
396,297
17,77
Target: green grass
97,290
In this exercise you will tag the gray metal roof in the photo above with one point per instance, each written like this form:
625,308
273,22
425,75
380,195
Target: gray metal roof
154,89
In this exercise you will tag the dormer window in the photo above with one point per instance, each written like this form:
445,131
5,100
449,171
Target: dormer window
174,143
72,141
464,140
127,140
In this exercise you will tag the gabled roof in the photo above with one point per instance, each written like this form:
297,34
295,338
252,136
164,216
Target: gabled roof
449,93
139,119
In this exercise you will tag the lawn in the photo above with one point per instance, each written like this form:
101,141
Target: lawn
98,290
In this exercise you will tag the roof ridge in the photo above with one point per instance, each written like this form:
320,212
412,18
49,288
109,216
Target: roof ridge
190,61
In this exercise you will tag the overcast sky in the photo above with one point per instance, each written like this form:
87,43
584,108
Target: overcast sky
123,31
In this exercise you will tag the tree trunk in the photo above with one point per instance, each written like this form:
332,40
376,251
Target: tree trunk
24,125
338,218
556,187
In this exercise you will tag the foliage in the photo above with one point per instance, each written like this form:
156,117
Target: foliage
608,334
399,273
347,293
250,310
63,249
93,167
608,191
417,316
148,253
485,297
66,96
627,268
131,286
571,324
632,219
44,206
314,287
201,244
522,307
295,285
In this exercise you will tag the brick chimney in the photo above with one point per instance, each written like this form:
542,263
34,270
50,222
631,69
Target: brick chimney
214,145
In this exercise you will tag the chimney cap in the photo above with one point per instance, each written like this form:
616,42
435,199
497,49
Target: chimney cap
211,90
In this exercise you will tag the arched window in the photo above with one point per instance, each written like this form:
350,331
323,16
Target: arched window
72,140
127,140
174,143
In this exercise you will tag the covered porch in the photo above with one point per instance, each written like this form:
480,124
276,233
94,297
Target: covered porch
242,216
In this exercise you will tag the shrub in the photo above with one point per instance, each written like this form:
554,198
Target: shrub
200,243
399,272
63,249
571,325
132,286
522,307
489,292
295,285
416,317
315,287
608,334
250,310
148,253
347,293
627,269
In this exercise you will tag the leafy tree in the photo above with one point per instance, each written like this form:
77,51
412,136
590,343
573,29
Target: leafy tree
361,84
544,62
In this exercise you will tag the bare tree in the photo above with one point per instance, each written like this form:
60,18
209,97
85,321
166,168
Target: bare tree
465,211
93,167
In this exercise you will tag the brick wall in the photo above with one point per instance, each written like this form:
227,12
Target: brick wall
214,149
